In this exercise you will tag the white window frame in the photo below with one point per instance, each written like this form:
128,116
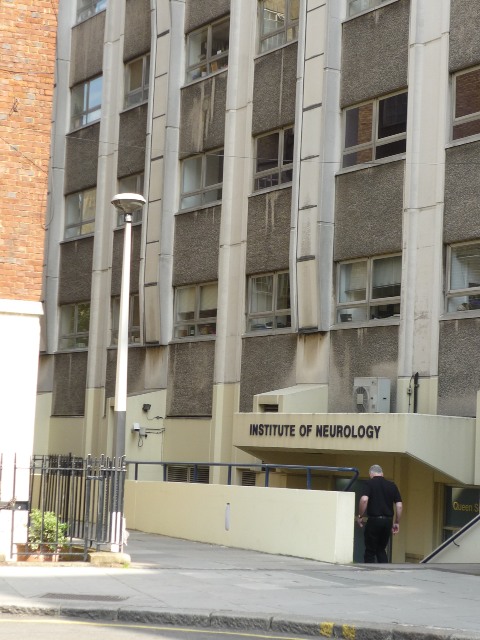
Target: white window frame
85,222
131,184
139,95
204,192
355,7
197,326
469,118
360,310
74,339
269,320
375,143
212,61
467,298
134,335
272,177
89,8
287,33
91,112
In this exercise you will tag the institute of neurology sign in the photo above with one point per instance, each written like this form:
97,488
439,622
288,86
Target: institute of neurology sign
324,431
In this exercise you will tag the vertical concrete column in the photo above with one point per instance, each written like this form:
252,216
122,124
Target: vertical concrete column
237,175
318,130
422,297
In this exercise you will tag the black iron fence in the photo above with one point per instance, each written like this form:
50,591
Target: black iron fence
75,505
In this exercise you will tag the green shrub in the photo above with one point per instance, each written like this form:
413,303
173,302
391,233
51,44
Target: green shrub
46,530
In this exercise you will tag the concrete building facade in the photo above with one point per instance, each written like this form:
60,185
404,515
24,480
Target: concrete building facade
305,278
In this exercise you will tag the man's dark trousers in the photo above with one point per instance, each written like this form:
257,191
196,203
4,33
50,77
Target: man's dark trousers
377,535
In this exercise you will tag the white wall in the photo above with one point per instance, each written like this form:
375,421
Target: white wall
302,523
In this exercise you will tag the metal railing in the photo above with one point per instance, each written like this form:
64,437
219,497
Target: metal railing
266,468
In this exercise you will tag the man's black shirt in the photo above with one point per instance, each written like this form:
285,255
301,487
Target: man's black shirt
382,495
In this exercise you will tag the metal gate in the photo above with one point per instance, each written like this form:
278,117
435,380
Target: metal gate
74,505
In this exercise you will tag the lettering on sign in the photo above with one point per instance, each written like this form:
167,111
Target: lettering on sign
459,506
369,431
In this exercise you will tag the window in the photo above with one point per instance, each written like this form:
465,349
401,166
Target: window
375,130
137,78
87,8
202,178
133,319
463,288
80,213
369,289
274,159
269,302
278,22
86,102
131,184
466,116
74,326
196,311
357,6
207,50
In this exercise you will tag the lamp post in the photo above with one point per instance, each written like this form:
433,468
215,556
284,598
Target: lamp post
126,203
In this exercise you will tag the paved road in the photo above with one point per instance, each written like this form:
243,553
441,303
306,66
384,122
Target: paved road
172,581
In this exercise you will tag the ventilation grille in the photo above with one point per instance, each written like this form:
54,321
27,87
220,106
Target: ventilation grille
186,473
248,478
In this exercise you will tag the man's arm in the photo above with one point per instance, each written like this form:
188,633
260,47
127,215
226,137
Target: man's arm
398,515
362,509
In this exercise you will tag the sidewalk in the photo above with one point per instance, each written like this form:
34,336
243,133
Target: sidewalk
178,582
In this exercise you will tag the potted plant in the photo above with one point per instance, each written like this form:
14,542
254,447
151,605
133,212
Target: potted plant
46,536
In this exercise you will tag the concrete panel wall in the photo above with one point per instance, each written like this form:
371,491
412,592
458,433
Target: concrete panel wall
268,233
195,255
274,89
75,280
133,134
81,159
368,211
464,27
459,375
69,383
268,363
138,30
87,49
200,12
375,53
462,189
307,524
137,357
370,351
190,378
203,115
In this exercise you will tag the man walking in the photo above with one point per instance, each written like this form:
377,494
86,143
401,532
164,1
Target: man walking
382,503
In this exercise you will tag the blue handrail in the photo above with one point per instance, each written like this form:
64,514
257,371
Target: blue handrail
263,467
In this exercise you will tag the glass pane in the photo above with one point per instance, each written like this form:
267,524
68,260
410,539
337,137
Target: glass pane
209,329
465,267
466,129
185,299
358,125
115,313
72,232
135,75
292,34
352,314
67,320
208,301
286,176
467,94
387,277
198,72
283,291
192,174
220,36
92,116
184,331
191,201
267,152
212,195
83,317
197,47
377,312
267,181
214,168
359,157
391,149
72,209
87,228
353,282
392,115
464,303
288,141
89,202
274,41
260,324
294,10
273,15
283,322
219,63
78,99
261,294
81,342
95,93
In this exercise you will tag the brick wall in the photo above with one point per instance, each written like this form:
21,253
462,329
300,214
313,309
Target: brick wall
27,59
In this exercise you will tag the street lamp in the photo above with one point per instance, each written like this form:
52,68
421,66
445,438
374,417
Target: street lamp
126,203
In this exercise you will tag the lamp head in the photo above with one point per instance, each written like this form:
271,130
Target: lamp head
128,202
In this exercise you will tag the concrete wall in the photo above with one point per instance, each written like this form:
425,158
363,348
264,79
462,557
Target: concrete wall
307,524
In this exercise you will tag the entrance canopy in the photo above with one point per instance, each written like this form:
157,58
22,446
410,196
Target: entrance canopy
444,443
